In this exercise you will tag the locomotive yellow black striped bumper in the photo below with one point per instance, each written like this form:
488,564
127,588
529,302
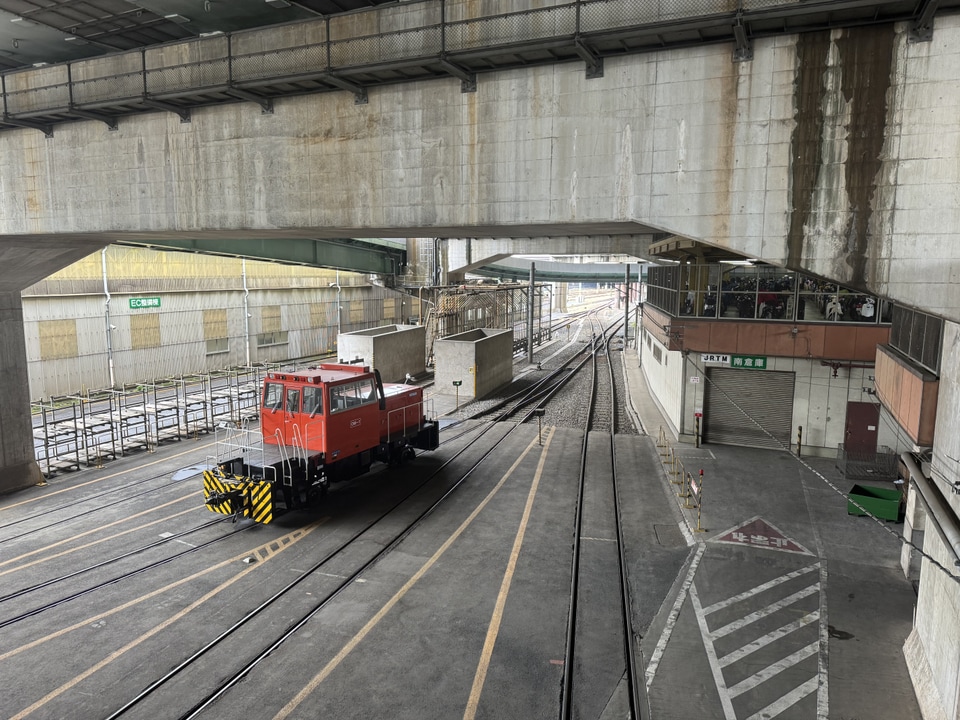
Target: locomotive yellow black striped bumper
238,496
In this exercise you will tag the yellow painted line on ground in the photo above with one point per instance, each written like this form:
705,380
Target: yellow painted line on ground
192,495
494,628
374,621
265,551
105,477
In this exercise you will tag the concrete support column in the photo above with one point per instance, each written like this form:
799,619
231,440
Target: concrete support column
18,464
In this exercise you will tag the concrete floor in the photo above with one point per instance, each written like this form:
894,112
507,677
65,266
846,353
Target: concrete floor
466,616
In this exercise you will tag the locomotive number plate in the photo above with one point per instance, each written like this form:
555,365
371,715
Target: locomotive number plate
355,422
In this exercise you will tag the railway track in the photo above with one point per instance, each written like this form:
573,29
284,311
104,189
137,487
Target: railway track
600,428
131,491
375,525
597,478
51,604
530,401
219,663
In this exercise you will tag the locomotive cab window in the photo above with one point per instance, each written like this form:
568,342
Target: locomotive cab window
352,395
273,396
313,401
293,401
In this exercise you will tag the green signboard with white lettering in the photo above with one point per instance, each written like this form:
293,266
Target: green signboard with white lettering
144,303
748,362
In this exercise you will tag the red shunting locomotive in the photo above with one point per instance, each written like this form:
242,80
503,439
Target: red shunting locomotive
322,425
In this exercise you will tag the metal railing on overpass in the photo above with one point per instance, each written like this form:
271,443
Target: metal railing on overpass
414,41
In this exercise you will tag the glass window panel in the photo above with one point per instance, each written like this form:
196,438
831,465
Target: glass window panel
832,307
771,305
218,345
273,396
313,400
713,276
738,285
337,400
932,340
352,393
851,303
815,298
293,401
886,311
741,279
746,303
916,336
709,305
863,308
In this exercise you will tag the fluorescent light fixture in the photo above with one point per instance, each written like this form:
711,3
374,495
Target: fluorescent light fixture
75,40
39,64
174,17
23,22
212,33
278,3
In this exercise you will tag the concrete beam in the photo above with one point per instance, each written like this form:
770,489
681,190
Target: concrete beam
517,270
843,178
343,254
463,255
28,260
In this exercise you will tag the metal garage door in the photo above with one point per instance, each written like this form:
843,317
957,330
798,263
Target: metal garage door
765,396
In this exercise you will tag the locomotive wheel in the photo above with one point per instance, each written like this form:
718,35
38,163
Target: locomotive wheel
395,457
318,490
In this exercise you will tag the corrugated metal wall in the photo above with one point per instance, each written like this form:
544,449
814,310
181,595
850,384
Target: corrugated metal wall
293,314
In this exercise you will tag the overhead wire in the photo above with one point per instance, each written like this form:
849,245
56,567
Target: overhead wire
903,540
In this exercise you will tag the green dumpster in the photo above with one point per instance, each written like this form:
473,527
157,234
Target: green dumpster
880,502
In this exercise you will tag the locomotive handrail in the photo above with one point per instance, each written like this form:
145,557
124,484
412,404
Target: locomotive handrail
284,457
306,433
419,407
298,444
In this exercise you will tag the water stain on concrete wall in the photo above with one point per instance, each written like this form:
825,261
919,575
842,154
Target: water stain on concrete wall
865,56
837,195
806,143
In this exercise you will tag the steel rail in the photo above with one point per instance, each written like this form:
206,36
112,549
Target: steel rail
104,563
86,512
295,626
566,700
119,578
629,644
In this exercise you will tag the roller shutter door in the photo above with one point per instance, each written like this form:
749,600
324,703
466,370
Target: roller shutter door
766,396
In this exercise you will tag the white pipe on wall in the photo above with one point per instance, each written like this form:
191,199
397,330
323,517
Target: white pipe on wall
106,318
246,310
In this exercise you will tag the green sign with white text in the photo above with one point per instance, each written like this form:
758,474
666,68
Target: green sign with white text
748,362
144,303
